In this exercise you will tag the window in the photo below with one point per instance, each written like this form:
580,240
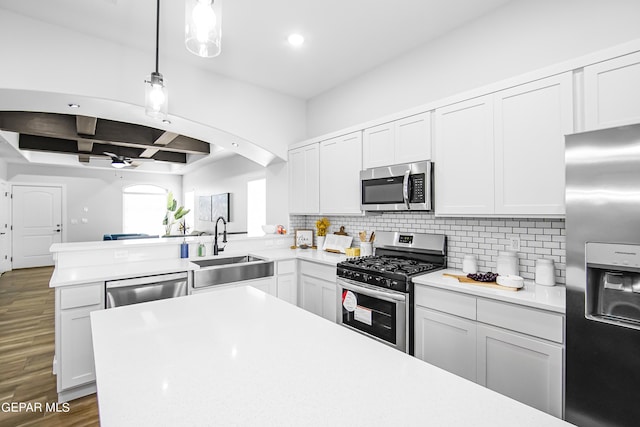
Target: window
143,209
256,206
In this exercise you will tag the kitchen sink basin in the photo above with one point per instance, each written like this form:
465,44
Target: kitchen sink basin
218,271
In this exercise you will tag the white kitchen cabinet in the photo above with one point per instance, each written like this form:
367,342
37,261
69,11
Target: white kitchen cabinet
340,165
530,122
286,281
446,341
611,91
463,157
304,180
402,141
74,363
317,284
524,368
503,154
509,348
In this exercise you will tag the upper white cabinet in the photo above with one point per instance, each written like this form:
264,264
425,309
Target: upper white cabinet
464,177
611,92
530,122
304,180
504,153
340,165
402,141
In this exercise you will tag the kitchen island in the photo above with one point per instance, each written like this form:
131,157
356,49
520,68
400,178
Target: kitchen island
242,357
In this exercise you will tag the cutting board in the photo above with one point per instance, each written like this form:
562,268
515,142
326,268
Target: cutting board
494,285
336,243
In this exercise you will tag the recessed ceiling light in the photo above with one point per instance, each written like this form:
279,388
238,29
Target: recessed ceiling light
295,40
71,105
235,144
166,121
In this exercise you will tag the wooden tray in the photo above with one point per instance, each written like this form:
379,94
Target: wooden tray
494,285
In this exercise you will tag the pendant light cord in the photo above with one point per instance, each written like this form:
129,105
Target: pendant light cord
157,33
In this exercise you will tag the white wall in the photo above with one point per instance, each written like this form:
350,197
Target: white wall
229,175
100,191
278,194
522,36
3,170
49,58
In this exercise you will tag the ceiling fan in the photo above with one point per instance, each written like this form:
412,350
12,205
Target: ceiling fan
119,162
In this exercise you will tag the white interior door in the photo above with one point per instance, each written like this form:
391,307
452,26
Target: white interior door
37,224
5,235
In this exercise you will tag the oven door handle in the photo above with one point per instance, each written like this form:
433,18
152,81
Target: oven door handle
387,296
405,187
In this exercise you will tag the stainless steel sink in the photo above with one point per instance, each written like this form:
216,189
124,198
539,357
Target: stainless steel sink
218,271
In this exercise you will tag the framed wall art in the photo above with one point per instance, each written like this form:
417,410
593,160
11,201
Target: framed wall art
220,206
304,237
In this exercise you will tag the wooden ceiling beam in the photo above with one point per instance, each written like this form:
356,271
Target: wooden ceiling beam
40,143
85,145
86,125
149,153
108,132
165,138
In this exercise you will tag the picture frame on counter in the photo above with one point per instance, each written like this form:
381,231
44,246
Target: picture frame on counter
304,237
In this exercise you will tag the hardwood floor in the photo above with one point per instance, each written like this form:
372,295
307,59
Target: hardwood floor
26,354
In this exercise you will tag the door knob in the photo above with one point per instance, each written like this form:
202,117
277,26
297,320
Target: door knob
57,231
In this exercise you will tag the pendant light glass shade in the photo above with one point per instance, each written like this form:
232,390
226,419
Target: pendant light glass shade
156,99
203,27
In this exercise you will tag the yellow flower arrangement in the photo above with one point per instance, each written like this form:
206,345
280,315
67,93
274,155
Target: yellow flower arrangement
322,225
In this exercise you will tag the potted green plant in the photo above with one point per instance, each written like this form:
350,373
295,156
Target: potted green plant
174,213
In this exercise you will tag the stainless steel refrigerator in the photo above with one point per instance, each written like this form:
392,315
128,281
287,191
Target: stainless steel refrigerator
603,277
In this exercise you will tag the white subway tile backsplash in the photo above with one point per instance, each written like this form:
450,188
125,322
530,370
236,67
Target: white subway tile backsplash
483,237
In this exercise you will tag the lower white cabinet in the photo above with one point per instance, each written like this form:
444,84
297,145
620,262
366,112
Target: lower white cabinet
318,289
446,341
524,368
286,281
514,350
74,363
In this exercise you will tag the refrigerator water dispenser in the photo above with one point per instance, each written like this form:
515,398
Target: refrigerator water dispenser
613,283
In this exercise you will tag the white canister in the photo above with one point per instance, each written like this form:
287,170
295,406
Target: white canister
366,248
507,264
469,264
545,272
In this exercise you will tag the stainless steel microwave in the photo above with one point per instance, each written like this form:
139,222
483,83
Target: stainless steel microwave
396,188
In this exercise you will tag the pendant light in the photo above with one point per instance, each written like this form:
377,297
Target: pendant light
156,96
203,27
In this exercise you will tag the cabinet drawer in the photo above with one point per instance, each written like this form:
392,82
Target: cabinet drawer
81,296
286,267
447,302
321,271
546,325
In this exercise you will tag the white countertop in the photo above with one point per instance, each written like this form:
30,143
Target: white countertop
242,357
99,273
78,275
550,298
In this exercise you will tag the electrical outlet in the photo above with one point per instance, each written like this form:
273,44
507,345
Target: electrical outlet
514,244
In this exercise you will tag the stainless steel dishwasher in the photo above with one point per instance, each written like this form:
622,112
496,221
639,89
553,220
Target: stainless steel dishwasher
147,288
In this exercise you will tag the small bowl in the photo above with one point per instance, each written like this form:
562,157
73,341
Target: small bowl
510,281
269,229
304,246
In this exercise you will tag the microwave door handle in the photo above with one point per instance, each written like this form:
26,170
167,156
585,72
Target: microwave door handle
405,187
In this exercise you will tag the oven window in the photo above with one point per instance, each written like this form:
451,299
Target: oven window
371,315
383,190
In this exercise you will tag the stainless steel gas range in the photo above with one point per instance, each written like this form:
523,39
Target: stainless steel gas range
375,293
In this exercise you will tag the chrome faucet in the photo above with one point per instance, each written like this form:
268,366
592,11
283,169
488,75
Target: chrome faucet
215,238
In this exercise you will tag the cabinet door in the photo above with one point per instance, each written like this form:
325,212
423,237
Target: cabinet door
378,146
524,368
287,288
76,347
266,285
530,122
446,341
304,184
413,139
611,91
464,168
340,165
319,297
